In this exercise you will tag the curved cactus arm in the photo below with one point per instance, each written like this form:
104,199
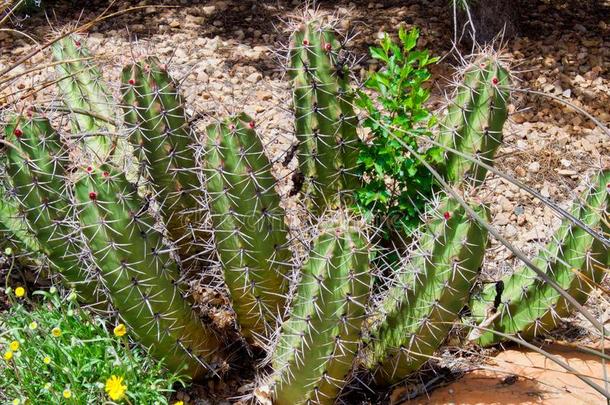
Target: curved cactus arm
164,145
474,120
318,343
325,121
139,275
523,305
36,165
83,90
417,318
249,230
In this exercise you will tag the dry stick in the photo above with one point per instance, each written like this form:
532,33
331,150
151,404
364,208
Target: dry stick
566,102
40,67
551,204
503,240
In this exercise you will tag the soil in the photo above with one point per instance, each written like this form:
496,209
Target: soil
228,57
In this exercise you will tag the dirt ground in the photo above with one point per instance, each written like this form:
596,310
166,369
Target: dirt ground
227,55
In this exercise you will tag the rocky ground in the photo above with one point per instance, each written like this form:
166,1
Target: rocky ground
228,57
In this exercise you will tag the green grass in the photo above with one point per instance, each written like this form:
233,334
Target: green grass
66,356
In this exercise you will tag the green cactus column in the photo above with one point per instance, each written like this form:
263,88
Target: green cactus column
318,343
84,93
474,121
526,305
249,230
415,318
164,145
140,277
325,121
36,164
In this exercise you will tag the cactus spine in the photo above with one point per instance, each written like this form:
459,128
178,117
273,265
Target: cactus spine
474,120
249,228
36,164
138,273
164,146
527,306
325,121
417,318
318,344
85,94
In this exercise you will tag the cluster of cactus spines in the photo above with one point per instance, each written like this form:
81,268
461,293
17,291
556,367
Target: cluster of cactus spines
413,328
36,164
522,304
249,230
474,120
84,92
325,122
318,343
164,146
14,232
138,273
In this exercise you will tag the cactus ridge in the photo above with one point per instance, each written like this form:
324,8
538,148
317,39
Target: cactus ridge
415,324
474,120
576,260
137,271
164,145
325,122
317,345
14,229
82,88
37,167
249,230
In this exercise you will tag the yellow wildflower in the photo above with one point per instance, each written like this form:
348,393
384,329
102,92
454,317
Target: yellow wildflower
179,403
16,401
115,388
67,393
19,292
14,345
46,360
33,325
8,355
56,332
120,330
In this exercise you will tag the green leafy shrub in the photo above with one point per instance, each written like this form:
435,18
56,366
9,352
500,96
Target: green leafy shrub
57,352
398,185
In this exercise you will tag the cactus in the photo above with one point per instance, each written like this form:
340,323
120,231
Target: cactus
138,273
163,144
416,318
325,121
84,93
249,229
36,164
474,120
522,304
318,343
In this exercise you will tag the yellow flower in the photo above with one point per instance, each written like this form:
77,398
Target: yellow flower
179,403
56,332
33,325
19,292
8,355
115,388
120,330
14,345
16,401
67,393
46,360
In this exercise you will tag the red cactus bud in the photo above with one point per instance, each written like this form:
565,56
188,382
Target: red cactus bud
495,81
252,124
447,215
328,47
77,43
132,81
89,169
106,174
305,42
18,132
93,196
